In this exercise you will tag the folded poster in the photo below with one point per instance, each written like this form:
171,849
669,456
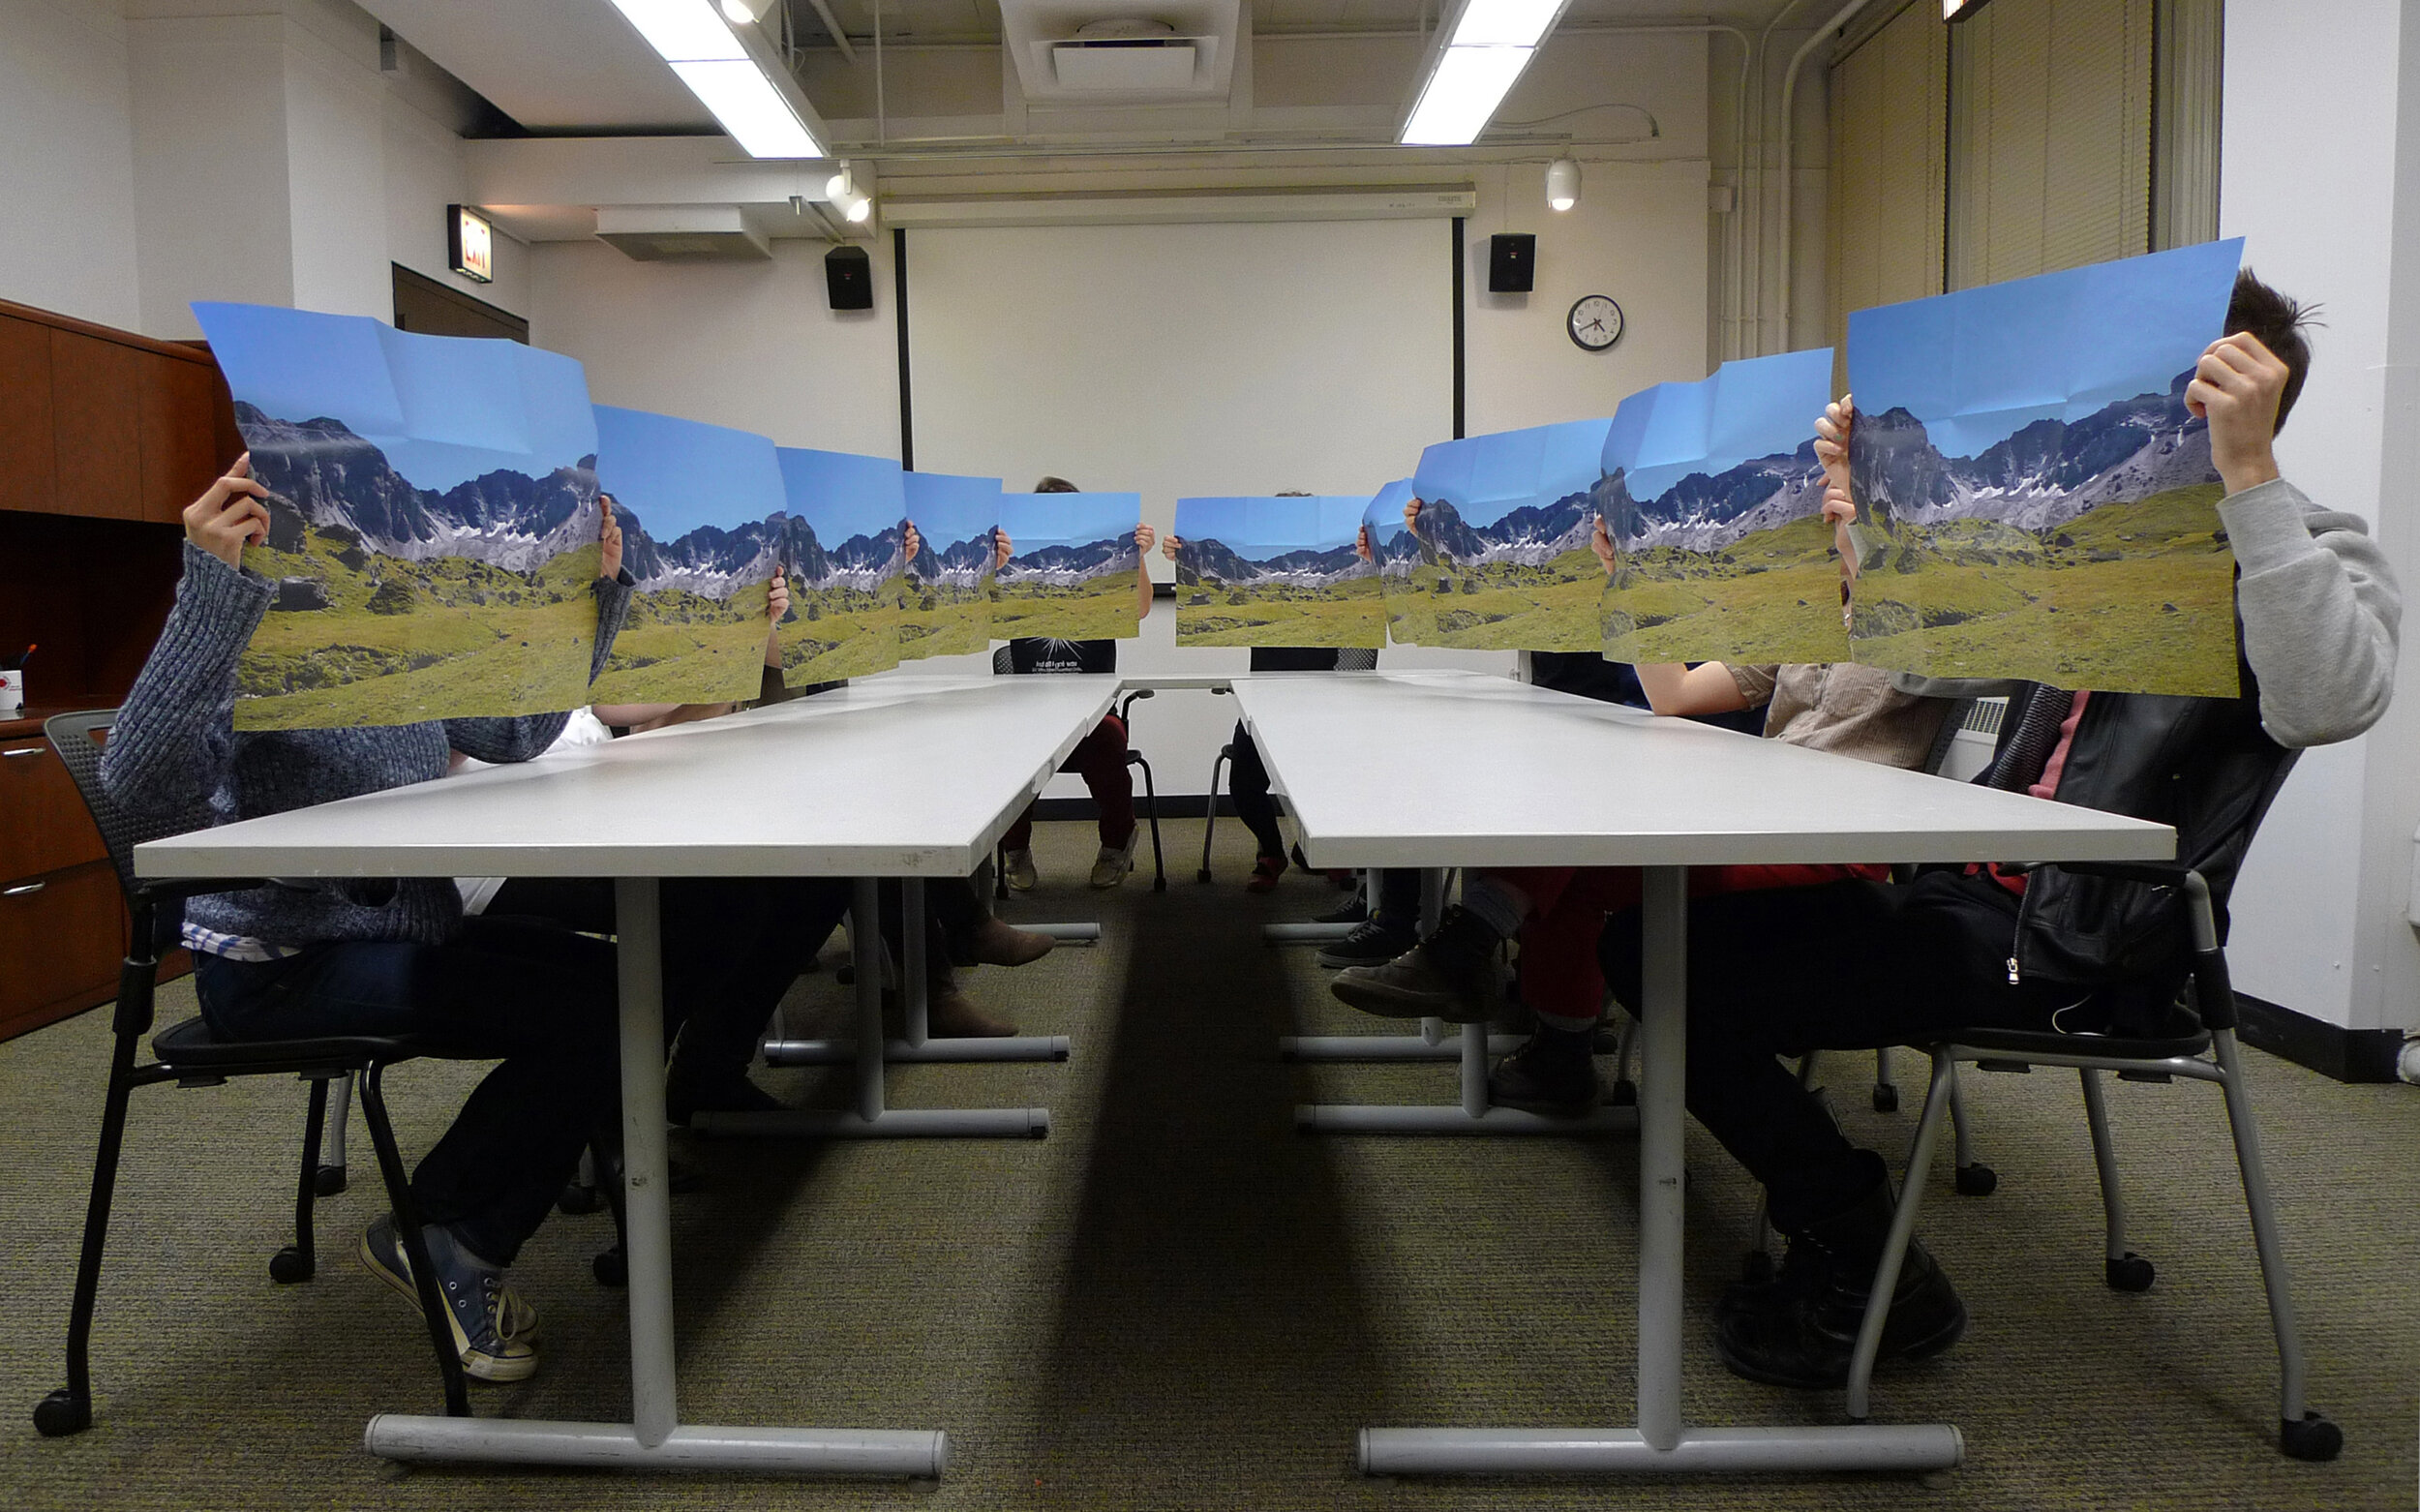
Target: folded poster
432,521
1507,518
1275,571
1714,501
948,591
2036,501
1071,574
702,524
844,555
1407,570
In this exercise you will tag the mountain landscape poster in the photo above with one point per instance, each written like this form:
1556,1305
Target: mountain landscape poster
1714,501
1071,574
842,552
2034,497
432,521
703,527
1408,571
949,579
1504,520
1275,571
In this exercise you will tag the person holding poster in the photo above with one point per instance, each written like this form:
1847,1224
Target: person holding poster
1858,964
302,958
1100,757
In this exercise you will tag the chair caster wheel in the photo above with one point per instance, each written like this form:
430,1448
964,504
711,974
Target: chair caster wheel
2129,1273
1159,884
328,1181
291,1266
63,1412
2314,1438
1203,875
846,976
1886,1098
612,1268
577,1199
1625,1093
1756,1268
1977,1181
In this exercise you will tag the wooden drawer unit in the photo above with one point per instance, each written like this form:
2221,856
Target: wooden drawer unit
61,939
43,823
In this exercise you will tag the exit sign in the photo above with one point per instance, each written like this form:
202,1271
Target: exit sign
469,244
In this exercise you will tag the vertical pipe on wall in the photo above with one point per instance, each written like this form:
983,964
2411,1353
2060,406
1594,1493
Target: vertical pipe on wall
1789,93
1458,323
899,318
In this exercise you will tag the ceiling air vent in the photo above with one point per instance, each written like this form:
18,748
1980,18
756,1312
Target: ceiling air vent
1124,56
1116,52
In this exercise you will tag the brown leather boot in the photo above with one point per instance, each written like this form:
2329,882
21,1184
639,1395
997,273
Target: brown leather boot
994,943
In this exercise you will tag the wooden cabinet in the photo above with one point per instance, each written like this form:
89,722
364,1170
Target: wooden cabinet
96,428
25,431
43,823
61,939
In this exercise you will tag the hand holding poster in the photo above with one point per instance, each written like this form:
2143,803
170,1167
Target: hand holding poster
1407,570
701,511
1713,502
844,554
433,527
1070,575
2037,499
1506,520
1275,571
955,520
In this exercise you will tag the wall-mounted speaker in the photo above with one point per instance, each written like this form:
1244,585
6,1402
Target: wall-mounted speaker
1512,262
849,278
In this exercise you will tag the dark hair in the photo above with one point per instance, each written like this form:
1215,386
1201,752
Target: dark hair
1056,486
2277,322
1292,493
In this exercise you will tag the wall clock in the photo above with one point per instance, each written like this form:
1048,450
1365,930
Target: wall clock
1594,323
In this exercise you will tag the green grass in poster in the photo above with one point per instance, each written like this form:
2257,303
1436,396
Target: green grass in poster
2128,598
1508,606
1098,607
1773,596
839,632
682,648
1348,614
512,643
1409,596
945,620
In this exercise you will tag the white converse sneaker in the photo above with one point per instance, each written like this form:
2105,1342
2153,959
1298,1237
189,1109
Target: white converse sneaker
1022,877
1110,866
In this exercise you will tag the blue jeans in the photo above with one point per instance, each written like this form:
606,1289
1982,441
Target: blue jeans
536,995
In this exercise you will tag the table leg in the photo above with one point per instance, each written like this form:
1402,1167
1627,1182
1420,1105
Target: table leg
915,993
653,1437
1660,1444
866,944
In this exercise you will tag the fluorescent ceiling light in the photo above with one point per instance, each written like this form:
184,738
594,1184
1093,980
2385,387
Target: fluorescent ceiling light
684,31
1505,23
748,107
1468,84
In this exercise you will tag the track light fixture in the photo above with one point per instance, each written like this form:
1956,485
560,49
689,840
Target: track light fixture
1563,184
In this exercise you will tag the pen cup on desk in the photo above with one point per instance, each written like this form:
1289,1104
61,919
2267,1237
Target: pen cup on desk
11,690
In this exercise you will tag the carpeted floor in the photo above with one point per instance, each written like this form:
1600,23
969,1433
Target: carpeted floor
1176,1301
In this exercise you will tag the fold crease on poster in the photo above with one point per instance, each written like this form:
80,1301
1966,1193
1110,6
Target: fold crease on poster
432,521
949,579
1278,570
1071,572
1503,522
843,552
1408,569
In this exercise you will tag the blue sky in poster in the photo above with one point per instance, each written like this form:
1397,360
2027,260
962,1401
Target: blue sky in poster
1982,363
1258,529
1038,520
1756,407
841,494
443,408
1384,514
1485,477
947,508
679,474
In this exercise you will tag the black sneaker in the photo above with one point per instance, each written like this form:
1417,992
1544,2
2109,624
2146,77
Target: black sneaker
1451,975
1801,1330
493,1327
1373,943
1355,909
1555,1074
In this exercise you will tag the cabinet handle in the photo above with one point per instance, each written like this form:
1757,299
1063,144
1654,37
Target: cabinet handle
22,889
24,750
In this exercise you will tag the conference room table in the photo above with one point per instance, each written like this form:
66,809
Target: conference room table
903,776
1444,769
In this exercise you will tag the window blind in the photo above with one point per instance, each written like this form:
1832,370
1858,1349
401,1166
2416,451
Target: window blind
1887,168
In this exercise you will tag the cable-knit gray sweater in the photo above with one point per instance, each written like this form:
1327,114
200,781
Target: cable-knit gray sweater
175,747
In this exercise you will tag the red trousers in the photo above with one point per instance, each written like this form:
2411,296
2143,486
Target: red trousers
1567,907
1100,759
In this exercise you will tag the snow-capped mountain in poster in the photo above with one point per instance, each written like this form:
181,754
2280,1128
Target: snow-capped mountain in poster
1280,570
1506,521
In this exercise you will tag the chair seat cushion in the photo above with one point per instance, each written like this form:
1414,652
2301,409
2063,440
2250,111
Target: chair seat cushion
191,1045
2018,1043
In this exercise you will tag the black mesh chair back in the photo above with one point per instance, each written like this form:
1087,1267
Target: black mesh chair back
190,1055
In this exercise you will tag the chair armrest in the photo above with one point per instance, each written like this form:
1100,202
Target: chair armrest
1126,708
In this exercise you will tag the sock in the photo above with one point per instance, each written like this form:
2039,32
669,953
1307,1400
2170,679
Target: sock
1495,902
1563,1023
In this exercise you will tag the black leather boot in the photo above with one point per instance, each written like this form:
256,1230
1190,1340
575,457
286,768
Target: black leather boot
1802,1330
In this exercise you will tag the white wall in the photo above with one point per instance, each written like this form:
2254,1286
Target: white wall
2321,175
67,161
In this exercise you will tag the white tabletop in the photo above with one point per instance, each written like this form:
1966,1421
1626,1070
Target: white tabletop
896,777
1449,768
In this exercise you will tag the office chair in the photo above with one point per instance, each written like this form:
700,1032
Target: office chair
1000,666
188,1055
